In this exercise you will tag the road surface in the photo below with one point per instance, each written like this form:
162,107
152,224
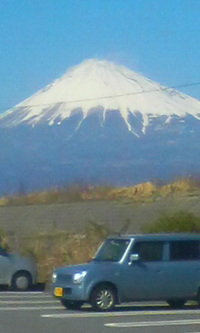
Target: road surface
39,312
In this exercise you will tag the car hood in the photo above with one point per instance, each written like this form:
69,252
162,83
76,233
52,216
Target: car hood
92,265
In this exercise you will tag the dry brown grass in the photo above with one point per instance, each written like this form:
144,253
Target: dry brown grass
56,248
137,193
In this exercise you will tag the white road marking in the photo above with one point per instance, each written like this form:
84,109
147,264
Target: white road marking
21,301
118,314
154,323
2,293
28,302
27,295
19,308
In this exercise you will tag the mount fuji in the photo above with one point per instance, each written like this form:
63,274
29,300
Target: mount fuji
99,123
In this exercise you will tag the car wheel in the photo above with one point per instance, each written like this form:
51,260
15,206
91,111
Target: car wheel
72,305
176,303
21,281
103,298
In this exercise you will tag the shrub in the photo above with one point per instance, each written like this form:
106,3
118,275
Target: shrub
178,222
3,239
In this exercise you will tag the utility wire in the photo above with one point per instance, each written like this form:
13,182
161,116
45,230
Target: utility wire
106,97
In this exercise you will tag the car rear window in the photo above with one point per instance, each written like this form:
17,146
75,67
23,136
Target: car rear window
184,250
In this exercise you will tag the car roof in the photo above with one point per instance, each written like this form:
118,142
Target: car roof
159,236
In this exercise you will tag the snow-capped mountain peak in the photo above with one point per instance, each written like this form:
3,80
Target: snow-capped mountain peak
105,86
116,127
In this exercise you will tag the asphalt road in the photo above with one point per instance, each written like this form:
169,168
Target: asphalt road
38,312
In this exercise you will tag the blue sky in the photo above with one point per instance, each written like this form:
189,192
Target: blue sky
40,39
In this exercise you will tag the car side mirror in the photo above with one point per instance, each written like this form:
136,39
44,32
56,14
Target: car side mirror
134,257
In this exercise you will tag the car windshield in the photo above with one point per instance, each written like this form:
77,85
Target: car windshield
112,250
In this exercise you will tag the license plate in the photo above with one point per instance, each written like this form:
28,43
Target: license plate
58,292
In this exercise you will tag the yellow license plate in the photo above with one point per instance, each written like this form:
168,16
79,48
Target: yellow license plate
58,292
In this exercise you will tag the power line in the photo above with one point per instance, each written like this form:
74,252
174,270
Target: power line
106,97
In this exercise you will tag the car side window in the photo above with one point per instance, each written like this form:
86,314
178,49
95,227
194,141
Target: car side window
184,250
149,250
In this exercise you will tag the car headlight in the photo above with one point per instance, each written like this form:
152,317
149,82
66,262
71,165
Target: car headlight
79,277
54,277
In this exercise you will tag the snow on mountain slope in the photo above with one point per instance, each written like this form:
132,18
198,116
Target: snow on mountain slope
101,85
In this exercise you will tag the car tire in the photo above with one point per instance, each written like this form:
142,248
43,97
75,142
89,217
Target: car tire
103,298
176,303
21,281
72,305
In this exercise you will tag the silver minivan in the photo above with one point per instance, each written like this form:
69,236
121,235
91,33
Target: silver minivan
131,268
17,272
